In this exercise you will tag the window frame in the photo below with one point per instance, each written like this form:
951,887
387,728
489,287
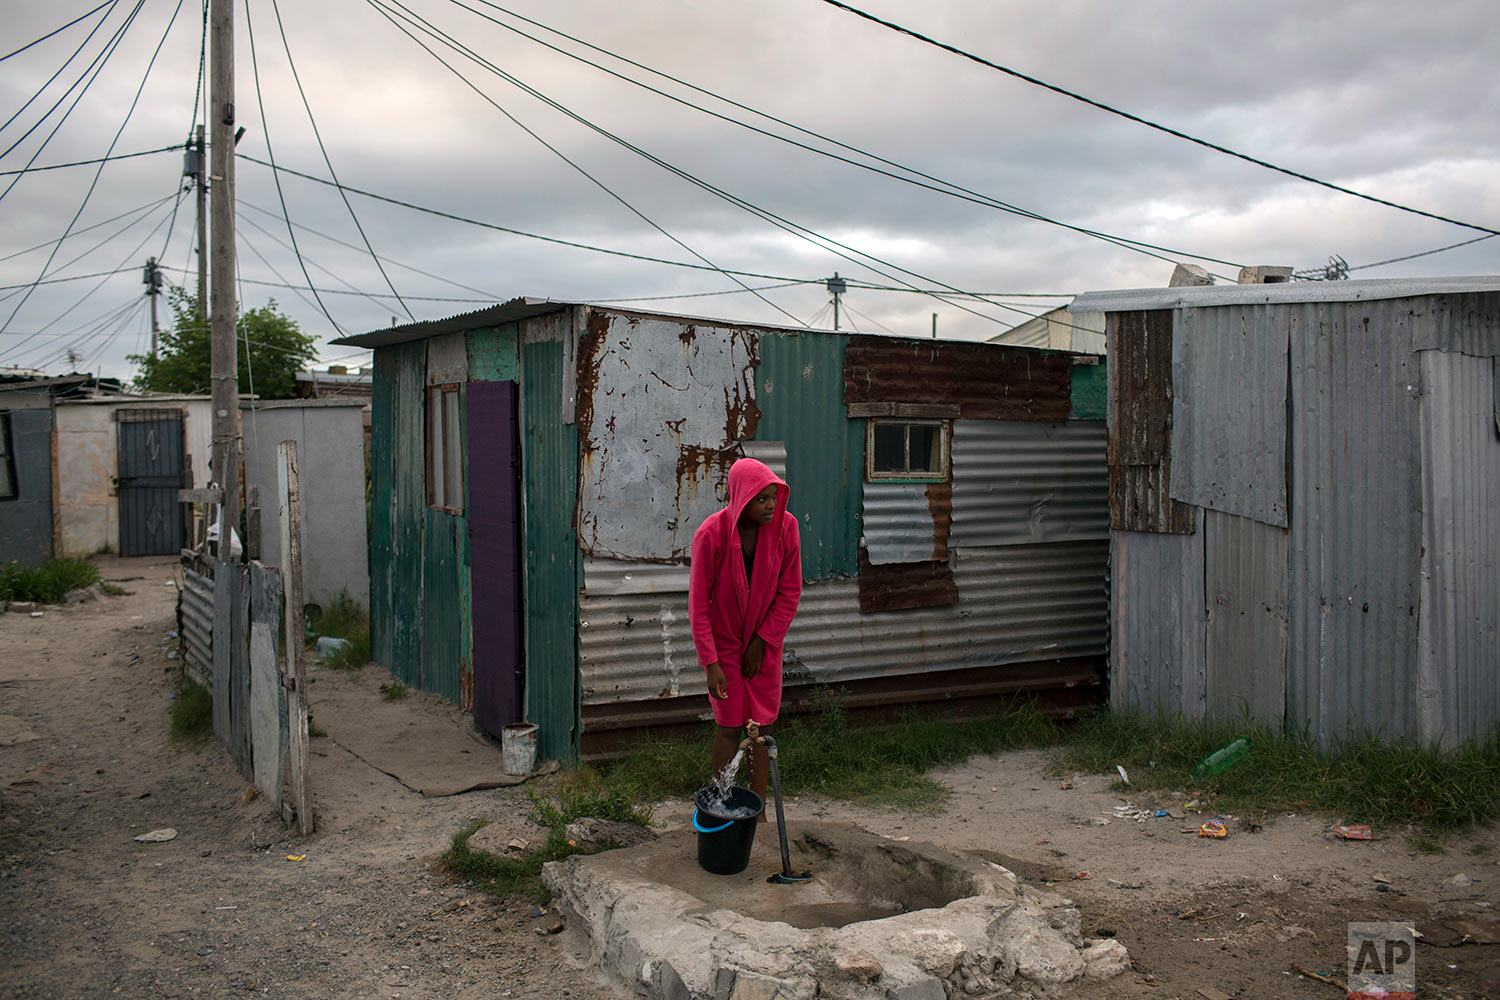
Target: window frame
942,474
442,432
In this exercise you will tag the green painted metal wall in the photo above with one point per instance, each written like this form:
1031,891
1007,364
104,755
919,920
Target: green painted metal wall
443,651
409,504
549,458
799,388
1089,392
419,578
495,355
382,511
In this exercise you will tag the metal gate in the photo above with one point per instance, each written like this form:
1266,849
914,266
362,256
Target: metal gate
151,461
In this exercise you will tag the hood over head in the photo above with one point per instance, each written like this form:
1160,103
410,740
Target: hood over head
747,477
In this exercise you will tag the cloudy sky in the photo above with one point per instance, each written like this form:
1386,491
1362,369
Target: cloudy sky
1397,101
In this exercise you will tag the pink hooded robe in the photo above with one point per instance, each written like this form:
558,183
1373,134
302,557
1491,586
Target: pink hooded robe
726,611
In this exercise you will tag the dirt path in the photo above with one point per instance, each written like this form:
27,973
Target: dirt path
85,910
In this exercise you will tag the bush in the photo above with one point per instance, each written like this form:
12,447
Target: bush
47,583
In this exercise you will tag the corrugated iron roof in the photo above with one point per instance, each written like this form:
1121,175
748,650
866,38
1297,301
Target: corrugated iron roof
506,312
1134,299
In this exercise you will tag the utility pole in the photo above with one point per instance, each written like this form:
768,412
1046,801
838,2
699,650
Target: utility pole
152,281
838,286
934,326
193,164
224,362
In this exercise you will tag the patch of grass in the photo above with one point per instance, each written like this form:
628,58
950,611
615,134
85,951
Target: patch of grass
393,691
343,619
115,590
823,753
1366,780
192,713
1480,848
1425,843
314,730
46,583
353,656
579,793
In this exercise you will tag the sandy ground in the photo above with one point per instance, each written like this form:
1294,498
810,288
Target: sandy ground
85,910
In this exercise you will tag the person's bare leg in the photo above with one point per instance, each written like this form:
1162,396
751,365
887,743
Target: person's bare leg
760,772
726,743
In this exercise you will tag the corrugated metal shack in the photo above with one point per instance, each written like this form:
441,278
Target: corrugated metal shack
538,469
1305,504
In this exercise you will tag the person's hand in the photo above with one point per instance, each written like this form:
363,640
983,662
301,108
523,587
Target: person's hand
755,654
718,686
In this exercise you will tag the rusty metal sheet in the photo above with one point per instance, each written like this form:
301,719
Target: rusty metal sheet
898,586
621,576
899,523
1458,632
1355,523
1229,414
991,381
1156,649
1140,425
1018,482
1016,604
448,359
662,406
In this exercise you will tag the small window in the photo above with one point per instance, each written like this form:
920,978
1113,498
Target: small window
7,466
912,451
445,459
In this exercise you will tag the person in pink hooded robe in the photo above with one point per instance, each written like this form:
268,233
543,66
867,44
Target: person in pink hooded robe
743,587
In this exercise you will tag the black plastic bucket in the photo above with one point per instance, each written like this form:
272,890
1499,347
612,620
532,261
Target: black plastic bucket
726,828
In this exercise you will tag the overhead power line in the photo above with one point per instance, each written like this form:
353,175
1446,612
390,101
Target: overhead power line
917,178
448,40
276,8
825,243
99,159
270,152
146,75
1155,125
439,213
95,67
58,31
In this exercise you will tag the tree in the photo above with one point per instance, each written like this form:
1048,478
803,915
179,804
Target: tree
277,350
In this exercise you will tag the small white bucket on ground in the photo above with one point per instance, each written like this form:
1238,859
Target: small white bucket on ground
518,747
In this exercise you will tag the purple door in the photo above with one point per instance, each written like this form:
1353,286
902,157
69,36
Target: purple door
494,553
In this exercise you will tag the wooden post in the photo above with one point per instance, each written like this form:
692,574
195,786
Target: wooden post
294,679
224,362
252,523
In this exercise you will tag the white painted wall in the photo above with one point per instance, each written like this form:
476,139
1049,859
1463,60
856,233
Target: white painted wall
330,440
87,505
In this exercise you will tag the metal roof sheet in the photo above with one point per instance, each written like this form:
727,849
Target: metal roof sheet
1133,299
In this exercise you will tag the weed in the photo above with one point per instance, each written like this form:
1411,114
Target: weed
115,590
192,712
825,754
1479,848
579,793
1425,843
352,656
1364,780
393,691
46,583
314,730
344,619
